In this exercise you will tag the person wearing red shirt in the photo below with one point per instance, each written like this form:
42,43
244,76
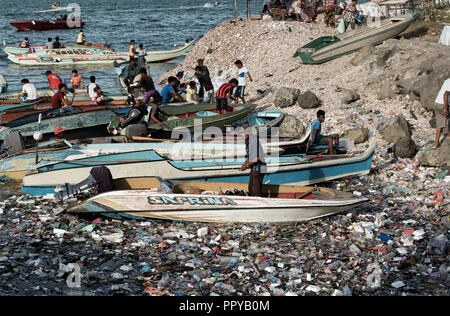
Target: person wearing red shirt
53,80
225,91
59,100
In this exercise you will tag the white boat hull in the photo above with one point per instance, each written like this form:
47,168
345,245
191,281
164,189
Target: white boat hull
149,204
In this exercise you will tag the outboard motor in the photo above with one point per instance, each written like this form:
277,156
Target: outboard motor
3,85
134,116
12,144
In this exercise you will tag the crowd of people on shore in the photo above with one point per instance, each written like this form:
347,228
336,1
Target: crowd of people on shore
308,10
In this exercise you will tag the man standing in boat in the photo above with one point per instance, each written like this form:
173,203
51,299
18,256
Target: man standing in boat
80,38
255,161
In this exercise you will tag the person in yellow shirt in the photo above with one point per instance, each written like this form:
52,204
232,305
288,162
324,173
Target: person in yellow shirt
132,51
80,39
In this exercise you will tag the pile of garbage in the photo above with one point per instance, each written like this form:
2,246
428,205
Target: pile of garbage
396,244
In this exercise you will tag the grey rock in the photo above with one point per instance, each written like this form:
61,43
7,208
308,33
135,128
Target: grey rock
291,127
349,96
383,54
362,56
358,135
308,100
387,91
286,97
396,128
405,147
430,158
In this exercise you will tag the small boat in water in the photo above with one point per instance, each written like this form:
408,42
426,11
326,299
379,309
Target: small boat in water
54,19
90,55
18,50
214,202
326,48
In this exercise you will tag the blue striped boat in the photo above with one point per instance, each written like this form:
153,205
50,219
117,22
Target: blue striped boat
294,169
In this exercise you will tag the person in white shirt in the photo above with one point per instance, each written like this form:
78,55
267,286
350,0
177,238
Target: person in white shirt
49,44
29,91
91,87
141,53
243,73
441,111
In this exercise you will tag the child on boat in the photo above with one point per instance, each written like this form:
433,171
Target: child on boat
98,98
225,91
191,93
130,99
76,80
91,86
319,139
243,72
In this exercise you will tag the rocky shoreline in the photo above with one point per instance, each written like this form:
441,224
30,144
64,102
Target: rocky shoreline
396,244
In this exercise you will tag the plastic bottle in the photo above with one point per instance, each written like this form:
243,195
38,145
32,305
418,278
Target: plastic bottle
227,260
163,282
225,287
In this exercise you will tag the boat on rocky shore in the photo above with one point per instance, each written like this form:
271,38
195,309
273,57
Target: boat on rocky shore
214,202
75,123
91,55
326,48
293,169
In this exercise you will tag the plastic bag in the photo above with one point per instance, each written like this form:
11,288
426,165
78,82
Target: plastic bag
341,26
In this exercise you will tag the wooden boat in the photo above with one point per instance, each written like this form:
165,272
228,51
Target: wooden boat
17,50
16,166
205,119
329,47
55,19
140,198
21,116
178,110
71,122
83,55
293,169
262,120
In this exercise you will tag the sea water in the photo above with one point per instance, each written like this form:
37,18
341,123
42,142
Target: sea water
157,24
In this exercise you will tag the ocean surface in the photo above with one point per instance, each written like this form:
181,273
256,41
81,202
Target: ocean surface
157,24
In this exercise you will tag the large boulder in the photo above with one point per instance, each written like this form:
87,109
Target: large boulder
437,157
291,127
286,97
308,100
387,91
396,128
382,54
349,96
358,135
404,147
362,55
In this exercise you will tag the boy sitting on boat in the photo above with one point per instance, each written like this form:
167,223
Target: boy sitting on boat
318,139
59,100
168,93
76,80
29,92
98,98
225,91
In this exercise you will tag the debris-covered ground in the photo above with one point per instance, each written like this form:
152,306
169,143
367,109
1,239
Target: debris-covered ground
396,244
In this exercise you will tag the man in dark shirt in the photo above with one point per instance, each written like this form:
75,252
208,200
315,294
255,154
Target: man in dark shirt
255,161
57,44
59,100
206,90
146,82
129,72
